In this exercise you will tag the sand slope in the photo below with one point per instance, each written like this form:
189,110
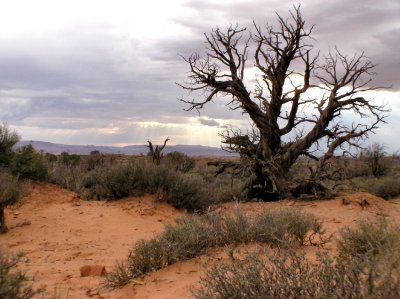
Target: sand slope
59,233
66,233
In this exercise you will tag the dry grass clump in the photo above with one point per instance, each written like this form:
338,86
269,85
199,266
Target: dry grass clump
14,284
367,265
193,235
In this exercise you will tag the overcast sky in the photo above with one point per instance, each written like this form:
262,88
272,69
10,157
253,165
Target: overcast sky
104,72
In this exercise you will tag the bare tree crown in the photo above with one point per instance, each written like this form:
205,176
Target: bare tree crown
279,106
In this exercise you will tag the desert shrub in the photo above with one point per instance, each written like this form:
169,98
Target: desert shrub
95,159
65,175
188,192
188,238
237,228
8,139
355,167
13,283
282,228
51,158
121,180
179,161
11,190
28,163
194,235
286,227
191,236
115,181
281,276
367,266
227,188
369,238
375,157
69,159
385,187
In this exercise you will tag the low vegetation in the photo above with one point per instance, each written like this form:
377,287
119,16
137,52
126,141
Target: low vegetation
8,139
14,284
366,266
135,178
194,235
387,187
176,180
27,163
11,190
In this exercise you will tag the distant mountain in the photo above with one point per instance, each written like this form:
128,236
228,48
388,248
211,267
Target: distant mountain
190,150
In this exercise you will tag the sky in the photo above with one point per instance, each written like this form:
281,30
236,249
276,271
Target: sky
104,72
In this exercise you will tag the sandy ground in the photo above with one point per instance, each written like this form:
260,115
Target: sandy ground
59,233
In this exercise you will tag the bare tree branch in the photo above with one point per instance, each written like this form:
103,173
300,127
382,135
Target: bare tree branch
289,122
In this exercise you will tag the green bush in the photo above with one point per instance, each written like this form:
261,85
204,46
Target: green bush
13,283
28,163
8,139
194,235
367,265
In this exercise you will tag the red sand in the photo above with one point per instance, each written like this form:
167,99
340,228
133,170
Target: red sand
59,233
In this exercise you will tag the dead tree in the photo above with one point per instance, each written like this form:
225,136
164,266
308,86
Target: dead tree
156,153
298,104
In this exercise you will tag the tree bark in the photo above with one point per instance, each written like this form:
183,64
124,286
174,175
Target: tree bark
3,226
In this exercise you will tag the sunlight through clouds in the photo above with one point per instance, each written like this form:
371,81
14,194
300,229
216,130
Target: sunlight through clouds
104,72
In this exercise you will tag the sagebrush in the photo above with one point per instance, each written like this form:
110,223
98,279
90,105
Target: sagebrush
194,235
367,265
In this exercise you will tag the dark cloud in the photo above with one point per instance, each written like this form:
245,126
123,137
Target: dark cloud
209,122
356,26
92,76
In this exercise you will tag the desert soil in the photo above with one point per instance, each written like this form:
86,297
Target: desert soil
59,233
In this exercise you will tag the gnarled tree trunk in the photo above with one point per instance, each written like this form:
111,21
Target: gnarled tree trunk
3,226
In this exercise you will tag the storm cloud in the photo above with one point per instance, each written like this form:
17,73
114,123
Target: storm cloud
103,78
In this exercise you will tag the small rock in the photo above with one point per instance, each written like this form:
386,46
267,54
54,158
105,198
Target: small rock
364,203
92,270
23,223
345,201
92,293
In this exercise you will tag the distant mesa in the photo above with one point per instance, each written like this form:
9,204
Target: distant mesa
190,150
